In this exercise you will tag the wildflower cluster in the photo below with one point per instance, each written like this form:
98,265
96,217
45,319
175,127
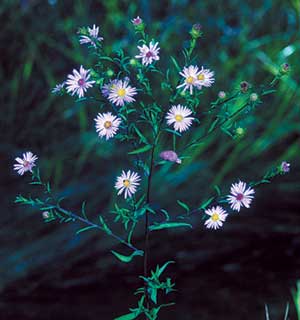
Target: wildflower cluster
131,113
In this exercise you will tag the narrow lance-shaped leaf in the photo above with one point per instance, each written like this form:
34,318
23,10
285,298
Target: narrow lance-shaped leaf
127,259
183,205
168,225
141,150
128,316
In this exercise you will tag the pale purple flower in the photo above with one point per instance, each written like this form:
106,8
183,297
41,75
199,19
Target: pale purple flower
137,21
107,125
92,37
217,216
190,75
240,196
121,92
178,116
127,182
78,82
58,89
170,155
148,54
106,88
285,167
26,163
205,78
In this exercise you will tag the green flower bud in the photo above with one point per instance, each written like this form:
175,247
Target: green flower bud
253,97
196,31
110,72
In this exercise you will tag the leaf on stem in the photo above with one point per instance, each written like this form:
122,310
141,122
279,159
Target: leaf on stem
127,259
168,225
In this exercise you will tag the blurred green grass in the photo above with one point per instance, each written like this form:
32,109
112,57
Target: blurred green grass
242,41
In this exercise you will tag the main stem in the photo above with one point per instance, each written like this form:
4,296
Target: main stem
146,249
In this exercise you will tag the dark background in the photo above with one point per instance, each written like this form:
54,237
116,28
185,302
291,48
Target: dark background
48,272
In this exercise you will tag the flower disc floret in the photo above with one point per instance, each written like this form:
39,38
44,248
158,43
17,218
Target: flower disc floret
127,182
148,54
26,163
107,125
178,116
121,92
217,215
240,196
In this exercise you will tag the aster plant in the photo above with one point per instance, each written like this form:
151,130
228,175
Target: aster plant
131,113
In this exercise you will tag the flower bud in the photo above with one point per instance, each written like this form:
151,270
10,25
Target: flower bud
170,155
285,167
138,24
222,94
196,31
285,68
133,62
110,72
240,132
253,97
46,214
244,86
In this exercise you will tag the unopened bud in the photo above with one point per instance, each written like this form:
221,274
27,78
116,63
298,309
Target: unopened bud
46,214
253,97
222,94
285,68
240,132
196,31
133,62
285,167
170,155
138,23
110,72
244,85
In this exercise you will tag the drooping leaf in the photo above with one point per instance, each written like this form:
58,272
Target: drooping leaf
163,268
206,203
127,259
168,225
183,205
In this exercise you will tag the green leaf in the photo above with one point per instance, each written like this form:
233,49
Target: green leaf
218,190
128,316
168,225
141,150
127,259
183,205
85,229
175,64
206,203
163,268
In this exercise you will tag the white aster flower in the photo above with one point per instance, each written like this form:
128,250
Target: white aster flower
179,117
79,82
148,54
217,216
58,88
121,92
240,196
128,183
190,75
25,164
107,125
205,78
92,38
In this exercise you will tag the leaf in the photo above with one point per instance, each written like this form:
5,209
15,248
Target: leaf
153,295
127,259
163,268
218,190
128,316
168,225
175,64
173,131
84,229
206,203
213,125
183,205
141,150
139,133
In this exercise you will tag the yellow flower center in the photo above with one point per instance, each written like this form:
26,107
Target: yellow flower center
201,76
178,117
121,92
107,124
189,80
126,183
215,217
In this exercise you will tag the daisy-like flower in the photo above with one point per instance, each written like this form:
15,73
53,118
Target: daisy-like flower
205,78
128,183
121,92
240,196
25,164
106,89
92,37
107,125
58,89
79,82
217,216
178,116
148,54
190,75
